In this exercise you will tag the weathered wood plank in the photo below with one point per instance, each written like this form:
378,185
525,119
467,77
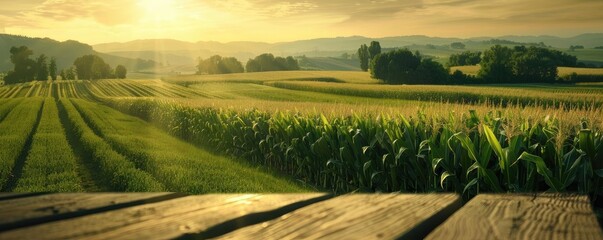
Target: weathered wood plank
522,216
12,195
167,219
20,212
358,216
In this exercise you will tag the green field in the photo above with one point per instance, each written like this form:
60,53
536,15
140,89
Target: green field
299,131
562,71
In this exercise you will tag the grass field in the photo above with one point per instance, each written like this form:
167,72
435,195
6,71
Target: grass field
562,71
298,131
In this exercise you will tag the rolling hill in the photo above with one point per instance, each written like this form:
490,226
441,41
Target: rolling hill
322,53
65,52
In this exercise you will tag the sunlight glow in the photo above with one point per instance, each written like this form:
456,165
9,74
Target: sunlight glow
159,10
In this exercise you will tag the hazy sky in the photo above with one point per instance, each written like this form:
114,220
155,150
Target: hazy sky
274,21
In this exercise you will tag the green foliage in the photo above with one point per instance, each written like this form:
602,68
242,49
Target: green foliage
401,66
496,65
374,49
364,57
41,68
115,170
465,58
219,65
15,129
520,64
159,154
52,68
24,66
534,65
488,153
92,67
120,71
50,165
267,62
457,45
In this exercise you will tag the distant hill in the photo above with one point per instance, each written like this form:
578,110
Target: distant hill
65,52
176,53
588,40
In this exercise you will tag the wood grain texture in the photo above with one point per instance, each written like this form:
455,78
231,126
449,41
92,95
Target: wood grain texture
522,216
19,212
162,220
358,216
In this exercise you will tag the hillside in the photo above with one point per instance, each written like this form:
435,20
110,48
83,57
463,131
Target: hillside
65,52
321,51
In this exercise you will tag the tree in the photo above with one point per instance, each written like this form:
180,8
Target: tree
92,67
292,64
430,72
41,68
363,55
24,66
70,73
218,65
120,71
374,49
403,67
534,65
464,58
496,64
457,45
252,66
52,68
267,62
230,65
63,74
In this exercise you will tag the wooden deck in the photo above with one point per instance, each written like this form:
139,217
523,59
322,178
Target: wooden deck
295,216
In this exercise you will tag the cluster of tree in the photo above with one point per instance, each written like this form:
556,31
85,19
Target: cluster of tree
367,53
457,45
219,65
508,42
401,66
465,58
68,74
267,62
92,67
572,47
499,64
522,65
86,67
27,69
599,47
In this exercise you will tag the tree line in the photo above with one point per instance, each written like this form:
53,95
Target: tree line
499,64
88,67
265,62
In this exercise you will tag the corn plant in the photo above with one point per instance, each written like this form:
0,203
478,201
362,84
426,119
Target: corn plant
468,154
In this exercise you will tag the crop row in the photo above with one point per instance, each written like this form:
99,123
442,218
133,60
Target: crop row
476,153
50,165
15,131
115,171
503,96
176,164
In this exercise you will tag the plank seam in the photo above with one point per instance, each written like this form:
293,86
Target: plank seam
252,219
21,195
422,229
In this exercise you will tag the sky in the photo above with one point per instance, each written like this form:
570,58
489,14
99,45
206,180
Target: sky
104,21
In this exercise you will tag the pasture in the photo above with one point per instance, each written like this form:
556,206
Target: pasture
299,131
562,71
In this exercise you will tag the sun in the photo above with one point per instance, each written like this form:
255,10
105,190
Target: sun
159,10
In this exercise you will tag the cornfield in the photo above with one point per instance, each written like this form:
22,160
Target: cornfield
467,154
